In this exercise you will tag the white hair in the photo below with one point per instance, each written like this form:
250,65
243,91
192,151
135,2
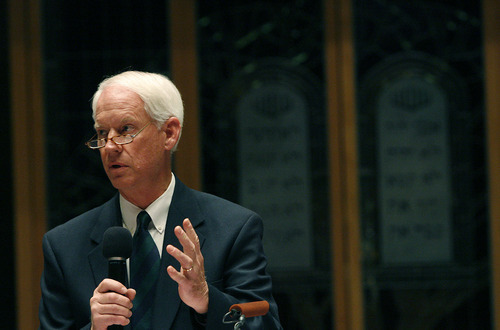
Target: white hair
161,98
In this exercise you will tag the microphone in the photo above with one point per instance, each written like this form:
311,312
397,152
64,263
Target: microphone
251,309
117,248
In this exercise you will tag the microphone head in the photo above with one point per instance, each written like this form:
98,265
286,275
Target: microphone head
117,242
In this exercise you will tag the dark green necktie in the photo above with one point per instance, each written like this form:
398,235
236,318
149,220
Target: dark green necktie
144,271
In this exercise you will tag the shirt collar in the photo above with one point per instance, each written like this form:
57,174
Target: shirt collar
158,210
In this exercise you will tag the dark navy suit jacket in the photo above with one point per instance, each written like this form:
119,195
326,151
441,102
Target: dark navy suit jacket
231,244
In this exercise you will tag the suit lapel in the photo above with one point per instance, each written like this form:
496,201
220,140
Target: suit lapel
109,216
167,300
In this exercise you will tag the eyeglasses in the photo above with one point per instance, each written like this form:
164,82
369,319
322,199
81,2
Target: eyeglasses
94,143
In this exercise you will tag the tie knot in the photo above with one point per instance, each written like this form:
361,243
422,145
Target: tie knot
143,220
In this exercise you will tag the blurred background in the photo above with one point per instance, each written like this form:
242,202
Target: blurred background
363,131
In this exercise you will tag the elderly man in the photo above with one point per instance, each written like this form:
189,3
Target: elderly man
207,251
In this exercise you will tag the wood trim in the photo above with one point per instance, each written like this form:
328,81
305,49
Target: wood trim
491,10
345,226
28,155
184,64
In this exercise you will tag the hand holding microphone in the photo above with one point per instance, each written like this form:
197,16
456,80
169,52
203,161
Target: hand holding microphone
112,302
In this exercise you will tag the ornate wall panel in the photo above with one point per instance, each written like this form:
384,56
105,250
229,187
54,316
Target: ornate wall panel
264,138
422,164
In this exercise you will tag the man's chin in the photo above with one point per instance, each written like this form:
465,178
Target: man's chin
120,182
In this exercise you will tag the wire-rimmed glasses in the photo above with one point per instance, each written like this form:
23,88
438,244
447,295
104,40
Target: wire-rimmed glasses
94,143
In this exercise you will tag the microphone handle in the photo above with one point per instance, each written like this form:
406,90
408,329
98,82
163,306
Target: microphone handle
117,270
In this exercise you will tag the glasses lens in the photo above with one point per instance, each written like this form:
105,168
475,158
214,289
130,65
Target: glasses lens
96,143
122,139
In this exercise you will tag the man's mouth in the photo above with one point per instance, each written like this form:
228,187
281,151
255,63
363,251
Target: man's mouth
116,165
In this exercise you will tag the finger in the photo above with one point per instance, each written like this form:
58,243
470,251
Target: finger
113,309
112,298
184,260
181,276
194,238
100,321
131,294
104,314
187,244
175,275
191,233
111,285
113,292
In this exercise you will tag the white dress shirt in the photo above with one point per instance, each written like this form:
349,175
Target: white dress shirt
158,211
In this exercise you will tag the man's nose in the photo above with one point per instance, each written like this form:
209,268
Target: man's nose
110,144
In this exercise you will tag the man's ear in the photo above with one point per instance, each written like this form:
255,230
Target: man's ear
172,129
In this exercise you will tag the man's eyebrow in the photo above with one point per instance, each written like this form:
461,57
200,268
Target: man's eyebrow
122,121
127,119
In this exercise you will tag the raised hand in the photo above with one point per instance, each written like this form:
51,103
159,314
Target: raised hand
193,287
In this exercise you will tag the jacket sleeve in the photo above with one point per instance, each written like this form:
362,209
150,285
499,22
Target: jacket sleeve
245,280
